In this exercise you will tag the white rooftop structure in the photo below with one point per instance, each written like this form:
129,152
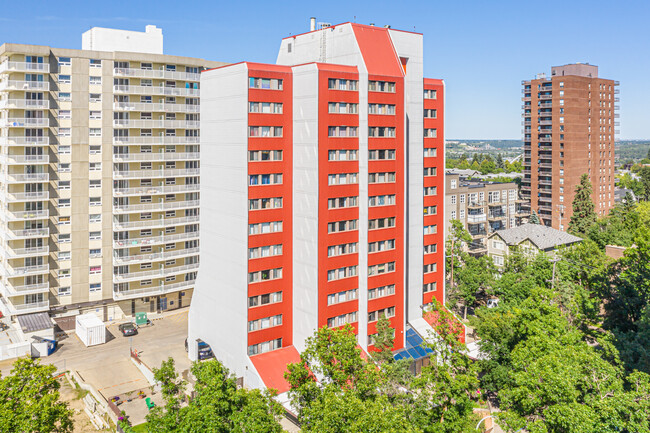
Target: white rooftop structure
103,39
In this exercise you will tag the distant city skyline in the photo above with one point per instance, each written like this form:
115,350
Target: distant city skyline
478,48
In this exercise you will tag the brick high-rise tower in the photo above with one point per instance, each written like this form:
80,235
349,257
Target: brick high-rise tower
569,130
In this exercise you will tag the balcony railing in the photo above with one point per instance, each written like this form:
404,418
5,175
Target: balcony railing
154,273
155,107
11,253
24,215
152,291
24,104
27,177
545,139
150,174
8,66
153,257
24,159
475,219
33,307
27,196
22,271
155,223
153,190
475,204
156,73
154,240
161,139
545,105
545,97
160,124
9,289
156,156
26,233
20,122
155,206
42,86
24,141
156,90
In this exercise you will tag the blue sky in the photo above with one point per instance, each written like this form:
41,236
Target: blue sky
482,49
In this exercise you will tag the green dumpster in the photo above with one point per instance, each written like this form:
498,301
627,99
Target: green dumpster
141,319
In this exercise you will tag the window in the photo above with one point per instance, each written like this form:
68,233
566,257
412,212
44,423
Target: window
64,202
430,190
65,291
265,155
341,320
381,223
342,226
265,107
382,154
340,273
342,202
430,94
431,152
381,86
95,166
381,200
432,267
265,275
265,83
267,346
94,236
64,220
388,177
265,131
430,113
64,79
431,229
64,114
375,315
344,296
263,228
95,132
269,298
95,201
265,251
342,131
453,199
95,149
454,183
95,287
342,155
341,84
95,80
431,210
64,61
342,178
95,218
267,322
265,179
95,114
95,253
430,287
64,255
381,131
380,292
65,96
64,238
430,133
379,246
64,184
265,203
382,268
342,249
430,171
95,270
431,249
342,108
95,63
95,97
64,132
386,109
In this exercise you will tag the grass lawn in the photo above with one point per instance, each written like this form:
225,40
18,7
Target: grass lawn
140,428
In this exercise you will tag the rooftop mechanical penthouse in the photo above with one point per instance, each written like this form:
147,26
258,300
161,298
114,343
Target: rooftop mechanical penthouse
322,196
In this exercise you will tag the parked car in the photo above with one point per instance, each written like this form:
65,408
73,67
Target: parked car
205,351
128,329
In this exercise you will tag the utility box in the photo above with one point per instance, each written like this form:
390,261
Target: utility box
90,329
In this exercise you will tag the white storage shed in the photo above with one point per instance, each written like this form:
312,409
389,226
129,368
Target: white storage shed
90,329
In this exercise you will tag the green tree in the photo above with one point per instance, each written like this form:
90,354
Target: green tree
383,341
583,208
475,166
487,166
29,400
534,218
455,245
474,276
499,162
218,405
644,175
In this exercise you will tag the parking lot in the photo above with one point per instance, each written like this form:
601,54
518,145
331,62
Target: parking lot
107,367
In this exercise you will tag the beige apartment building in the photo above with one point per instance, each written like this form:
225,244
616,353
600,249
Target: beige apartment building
99,176
483,207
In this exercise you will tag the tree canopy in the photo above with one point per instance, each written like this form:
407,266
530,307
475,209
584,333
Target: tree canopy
583,208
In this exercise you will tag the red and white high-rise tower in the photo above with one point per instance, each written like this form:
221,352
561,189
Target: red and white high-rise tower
321,196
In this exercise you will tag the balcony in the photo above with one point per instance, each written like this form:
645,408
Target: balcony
156,156
8,67
476,219
155,206
160,124
42,86
155,223
475,204
161,139
17,253
24,215
10,234
154,240
24,141
545,165
23,271
19,122
24,159
546,122
153,257
522,213
154,273
24,104
545,104
151,174
27,177
14,197
546,182
157,90
545,139
545,97
153,108
497,216
161,74
478,234
496,203
14,309
154,190
7,289
152,291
